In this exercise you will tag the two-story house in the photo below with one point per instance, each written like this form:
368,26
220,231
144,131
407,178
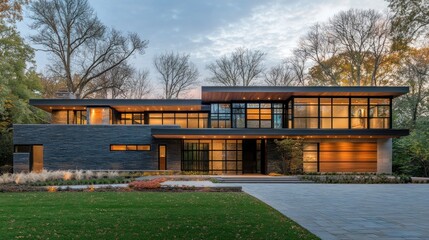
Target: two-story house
231,130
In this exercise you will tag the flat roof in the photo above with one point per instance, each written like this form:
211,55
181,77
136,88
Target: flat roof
219,94
123,105
270,93
252,133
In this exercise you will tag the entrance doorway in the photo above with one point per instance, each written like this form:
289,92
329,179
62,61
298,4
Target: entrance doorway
162,157
37,159
253,156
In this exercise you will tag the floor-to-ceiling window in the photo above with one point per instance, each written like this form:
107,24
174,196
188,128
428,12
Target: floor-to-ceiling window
212,156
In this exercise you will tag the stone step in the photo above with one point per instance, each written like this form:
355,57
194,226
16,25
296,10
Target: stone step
246,182
261,180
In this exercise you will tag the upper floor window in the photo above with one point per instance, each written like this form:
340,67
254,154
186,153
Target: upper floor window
247,115
338,113
220,115
184,120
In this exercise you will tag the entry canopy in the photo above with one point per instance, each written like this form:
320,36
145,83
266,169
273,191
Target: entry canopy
258,133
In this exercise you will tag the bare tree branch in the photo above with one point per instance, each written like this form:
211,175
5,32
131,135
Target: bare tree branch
243,67
83,49
178,74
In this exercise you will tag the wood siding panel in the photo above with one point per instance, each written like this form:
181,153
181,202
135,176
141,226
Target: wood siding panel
348,157
348,146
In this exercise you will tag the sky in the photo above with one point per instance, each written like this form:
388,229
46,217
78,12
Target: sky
207,30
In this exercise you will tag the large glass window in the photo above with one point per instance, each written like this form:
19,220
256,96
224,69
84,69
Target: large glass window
99,115
359,112
379,113
184,120
305,113
277,115
220,115
338,113
212,156
238,115
258,115
125,118
80,117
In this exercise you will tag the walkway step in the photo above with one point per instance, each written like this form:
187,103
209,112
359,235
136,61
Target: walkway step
283,179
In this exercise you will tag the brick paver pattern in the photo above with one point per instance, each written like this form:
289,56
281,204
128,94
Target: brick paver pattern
352,211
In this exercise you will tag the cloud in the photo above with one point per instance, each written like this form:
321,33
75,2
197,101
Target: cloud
274,27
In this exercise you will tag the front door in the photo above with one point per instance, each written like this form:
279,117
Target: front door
37,159
249,156
162,157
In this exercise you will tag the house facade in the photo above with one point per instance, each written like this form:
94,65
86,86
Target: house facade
230,130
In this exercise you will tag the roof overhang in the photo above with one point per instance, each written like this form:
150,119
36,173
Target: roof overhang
234,133
122,105
266,93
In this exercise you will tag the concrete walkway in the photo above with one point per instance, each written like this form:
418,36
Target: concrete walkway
352,211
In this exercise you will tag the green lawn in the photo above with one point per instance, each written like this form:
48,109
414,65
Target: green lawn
140,215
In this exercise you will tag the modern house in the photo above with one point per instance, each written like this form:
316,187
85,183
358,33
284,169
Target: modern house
231,130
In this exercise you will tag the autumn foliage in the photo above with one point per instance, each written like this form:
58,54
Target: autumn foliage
150,184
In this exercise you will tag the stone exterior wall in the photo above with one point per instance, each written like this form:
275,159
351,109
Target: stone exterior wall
88,146
384,156
272,159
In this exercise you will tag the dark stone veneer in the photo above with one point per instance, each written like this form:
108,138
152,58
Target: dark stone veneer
88,146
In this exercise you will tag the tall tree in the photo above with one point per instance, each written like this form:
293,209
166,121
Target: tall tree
177,74
18,83
320,49
279,75
350,49
138,87
83,49
413,72
11,10
410,19
243,67
112,82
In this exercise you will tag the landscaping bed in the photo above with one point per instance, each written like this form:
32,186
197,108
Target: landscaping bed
88,181
361,178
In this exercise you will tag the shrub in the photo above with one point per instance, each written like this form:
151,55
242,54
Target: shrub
112,174
44,176
357,178
6,169
100,175
79,174
150,184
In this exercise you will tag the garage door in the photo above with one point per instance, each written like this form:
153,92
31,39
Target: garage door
348,157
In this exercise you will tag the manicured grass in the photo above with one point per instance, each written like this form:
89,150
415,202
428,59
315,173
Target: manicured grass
142,215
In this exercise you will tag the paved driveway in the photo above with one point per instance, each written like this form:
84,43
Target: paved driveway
351,211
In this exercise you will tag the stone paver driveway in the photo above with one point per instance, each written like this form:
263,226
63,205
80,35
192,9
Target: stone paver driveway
352,211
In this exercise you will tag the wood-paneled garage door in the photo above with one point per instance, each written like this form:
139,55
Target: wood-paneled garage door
348,156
